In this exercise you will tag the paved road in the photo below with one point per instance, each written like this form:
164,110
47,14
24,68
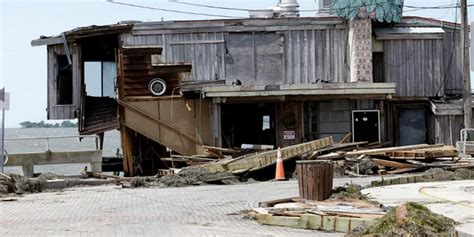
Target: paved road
113,211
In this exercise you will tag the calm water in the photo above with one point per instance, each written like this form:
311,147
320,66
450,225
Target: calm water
111,144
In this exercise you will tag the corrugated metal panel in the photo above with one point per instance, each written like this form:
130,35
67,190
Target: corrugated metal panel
416,66
315,55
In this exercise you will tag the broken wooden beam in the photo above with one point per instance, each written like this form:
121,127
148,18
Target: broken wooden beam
257,161
375,151
394,164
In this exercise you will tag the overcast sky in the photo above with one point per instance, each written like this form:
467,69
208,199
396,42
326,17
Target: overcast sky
23,68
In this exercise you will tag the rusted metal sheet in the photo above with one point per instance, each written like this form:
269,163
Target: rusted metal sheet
315,179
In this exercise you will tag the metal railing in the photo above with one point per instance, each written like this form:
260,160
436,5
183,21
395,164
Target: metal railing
464,140
48,139
29,159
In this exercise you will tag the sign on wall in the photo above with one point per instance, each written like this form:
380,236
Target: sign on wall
5,104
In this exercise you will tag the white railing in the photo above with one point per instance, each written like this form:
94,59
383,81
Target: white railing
465,142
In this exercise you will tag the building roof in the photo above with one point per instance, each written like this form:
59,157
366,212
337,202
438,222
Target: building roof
233,25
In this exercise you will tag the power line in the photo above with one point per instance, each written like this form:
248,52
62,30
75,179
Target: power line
314,10
170,10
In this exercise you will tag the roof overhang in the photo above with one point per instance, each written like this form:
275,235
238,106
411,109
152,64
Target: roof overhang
83,32
407,33
323,89
451,107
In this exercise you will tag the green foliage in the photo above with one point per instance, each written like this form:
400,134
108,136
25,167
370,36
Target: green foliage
42,124
379,10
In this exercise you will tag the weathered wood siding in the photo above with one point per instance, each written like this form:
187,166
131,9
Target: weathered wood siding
425,67
416,66
277,54
56,111
204,50
313,56
452,62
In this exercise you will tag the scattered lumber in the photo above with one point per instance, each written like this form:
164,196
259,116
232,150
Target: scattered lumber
260,160
337,147
257,147
394,164
345,138
375,151
224,150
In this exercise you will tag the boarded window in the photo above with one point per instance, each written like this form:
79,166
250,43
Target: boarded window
254,58
64,81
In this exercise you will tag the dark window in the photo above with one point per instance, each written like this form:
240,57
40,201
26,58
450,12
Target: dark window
378,65
64,81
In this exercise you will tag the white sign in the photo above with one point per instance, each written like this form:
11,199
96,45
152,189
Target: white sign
5,104
289,135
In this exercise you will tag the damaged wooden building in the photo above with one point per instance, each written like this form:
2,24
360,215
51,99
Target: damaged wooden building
174,86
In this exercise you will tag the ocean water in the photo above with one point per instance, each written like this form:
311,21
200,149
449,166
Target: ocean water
111,144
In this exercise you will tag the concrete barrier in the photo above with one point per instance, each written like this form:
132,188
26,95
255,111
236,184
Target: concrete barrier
28,160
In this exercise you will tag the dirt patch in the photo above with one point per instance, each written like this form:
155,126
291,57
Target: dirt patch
196,176
410,219
348,192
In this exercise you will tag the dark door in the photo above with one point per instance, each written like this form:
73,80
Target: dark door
366,126
412,126
248,124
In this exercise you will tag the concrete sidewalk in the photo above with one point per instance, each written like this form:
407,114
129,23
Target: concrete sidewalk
113,211
453,199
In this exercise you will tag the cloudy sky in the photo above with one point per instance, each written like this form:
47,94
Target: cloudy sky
23,68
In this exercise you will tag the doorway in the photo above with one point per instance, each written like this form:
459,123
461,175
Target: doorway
412,126
248,124
366,125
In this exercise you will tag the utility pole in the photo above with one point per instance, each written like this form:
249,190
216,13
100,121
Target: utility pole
466,94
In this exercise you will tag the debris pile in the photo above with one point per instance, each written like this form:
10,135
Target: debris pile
195,176
398,160
329,215
349,192
353,159
17,184
411,219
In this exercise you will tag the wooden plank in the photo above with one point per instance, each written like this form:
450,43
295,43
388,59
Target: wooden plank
394,164
346,138
375,151
226,150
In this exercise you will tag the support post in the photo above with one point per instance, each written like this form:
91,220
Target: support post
2,155
465,68
27,170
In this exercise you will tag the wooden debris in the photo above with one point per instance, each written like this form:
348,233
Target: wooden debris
345,138
375,151
394,164
253,162
225,150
